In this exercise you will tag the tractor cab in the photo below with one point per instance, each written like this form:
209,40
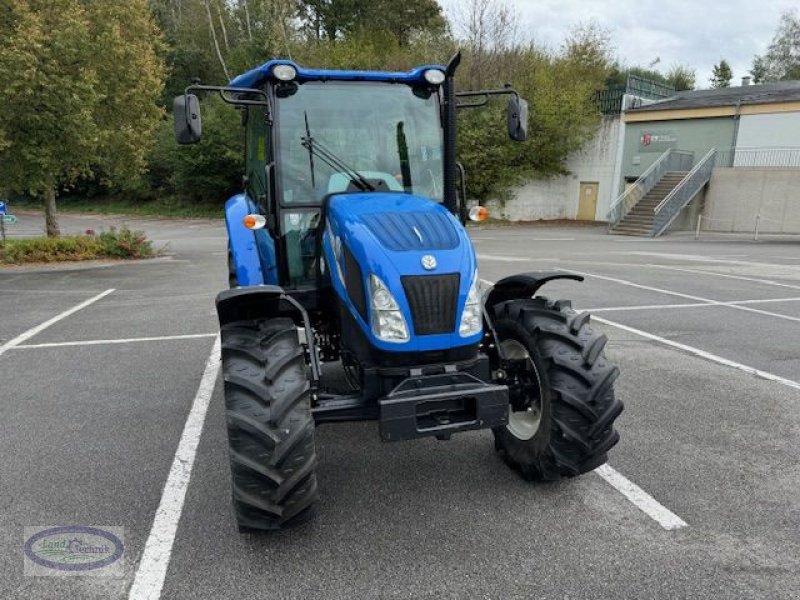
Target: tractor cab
311,133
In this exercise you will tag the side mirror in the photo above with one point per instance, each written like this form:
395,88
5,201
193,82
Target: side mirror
517,117
186,111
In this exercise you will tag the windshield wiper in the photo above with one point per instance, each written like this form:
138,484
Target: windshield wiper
402,152
316,148
310,152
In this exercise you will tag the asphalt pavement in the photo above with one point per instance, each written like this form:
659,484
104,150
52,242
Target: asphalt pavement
701,498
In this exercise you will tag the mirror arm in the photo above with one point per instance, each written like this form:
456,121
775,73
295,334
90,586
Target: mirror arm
483,96
224,90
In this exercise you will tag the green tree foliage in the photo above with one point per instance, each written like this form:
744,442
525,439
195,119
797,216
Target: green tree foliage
80,81
721,75
333,19
209,171
781,62
559,87
93,72
681,77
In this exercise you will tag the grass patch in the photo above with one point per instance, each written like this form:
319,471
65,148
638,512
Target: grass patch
166,207
122,244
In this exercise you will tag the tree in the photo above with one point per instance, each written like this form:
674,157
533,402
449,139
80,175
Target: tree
559,86
681,77
721,75
80,80
782,59
334,19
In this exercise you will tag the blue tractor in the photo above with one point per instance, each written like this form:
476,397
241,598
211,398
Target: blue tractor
347,250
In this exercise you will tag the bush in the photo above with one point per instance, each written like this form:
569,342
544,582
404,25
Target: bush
125,244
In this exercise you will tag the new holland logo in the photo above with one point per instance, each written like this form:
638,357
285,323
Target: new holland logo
428,262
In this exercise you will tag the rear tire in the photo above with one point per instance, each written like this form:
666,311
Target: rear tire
270,425
566,427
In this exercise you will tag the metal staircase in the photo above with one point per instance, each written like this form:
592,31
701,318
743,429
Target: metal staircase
654,201
641,218
671,161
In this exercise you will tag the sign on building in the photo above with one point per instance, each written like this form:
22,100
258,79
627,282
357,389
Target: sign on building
657,140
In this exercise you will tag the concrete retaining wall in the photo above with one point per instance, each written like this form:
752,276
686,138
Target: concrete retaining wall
735,196
557,197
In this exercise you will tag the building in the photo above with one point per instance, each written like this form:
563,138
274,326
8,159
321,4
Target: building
734,156
662,159
591,186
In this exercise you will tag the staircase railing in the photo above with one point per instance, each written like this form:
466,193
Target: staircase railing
671,206
670,160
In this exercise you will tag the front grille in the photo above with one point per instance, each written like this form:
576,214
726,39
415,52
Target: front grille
433,300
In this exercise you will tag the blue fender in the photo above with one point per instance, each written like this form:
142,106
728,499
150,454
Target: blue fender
253,251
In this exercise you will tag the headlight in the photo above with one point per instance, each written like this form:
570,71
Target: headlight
472,317
388,322
284,72
434,76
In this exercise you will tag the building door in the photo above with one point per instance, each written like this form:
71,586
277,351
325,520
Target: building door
587,203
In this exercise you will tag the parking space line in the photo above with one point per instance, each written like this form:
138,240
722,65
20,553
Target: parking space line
702,354
687,296
640,499
160,338
152,571
645,307
50,292
689,305
506,258
729,276
39,328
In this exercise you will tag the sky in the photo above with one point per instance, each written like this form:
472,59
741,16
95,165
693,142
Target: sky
695,33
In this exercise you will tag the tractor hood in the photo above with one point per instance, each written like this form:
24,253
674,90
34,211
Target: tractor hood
401,239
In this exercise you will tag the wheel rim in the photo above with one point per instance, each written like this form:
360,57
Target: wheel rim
524,422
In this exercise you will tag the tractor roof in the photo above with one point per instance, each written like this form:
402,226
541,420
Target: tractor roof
255,77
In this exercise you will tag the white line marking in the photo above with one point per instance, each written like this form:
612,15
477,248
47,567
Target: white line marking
503,258
687,296
39,328
189,336
152,571
701,258
645,307
641,499
729,276
51,292
702,354
697,305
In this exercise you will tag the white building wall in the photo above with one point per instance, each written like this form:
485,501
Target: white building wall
769,130
557,197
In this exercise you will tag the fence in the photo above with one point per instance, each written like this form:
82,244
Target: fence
787,157
609,101
756,228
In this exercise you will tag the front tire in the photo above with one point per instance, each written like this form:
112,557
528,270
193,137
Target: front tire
270,425
563,408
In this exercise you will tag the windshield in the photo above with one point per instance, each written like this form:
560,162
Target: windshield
389,134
